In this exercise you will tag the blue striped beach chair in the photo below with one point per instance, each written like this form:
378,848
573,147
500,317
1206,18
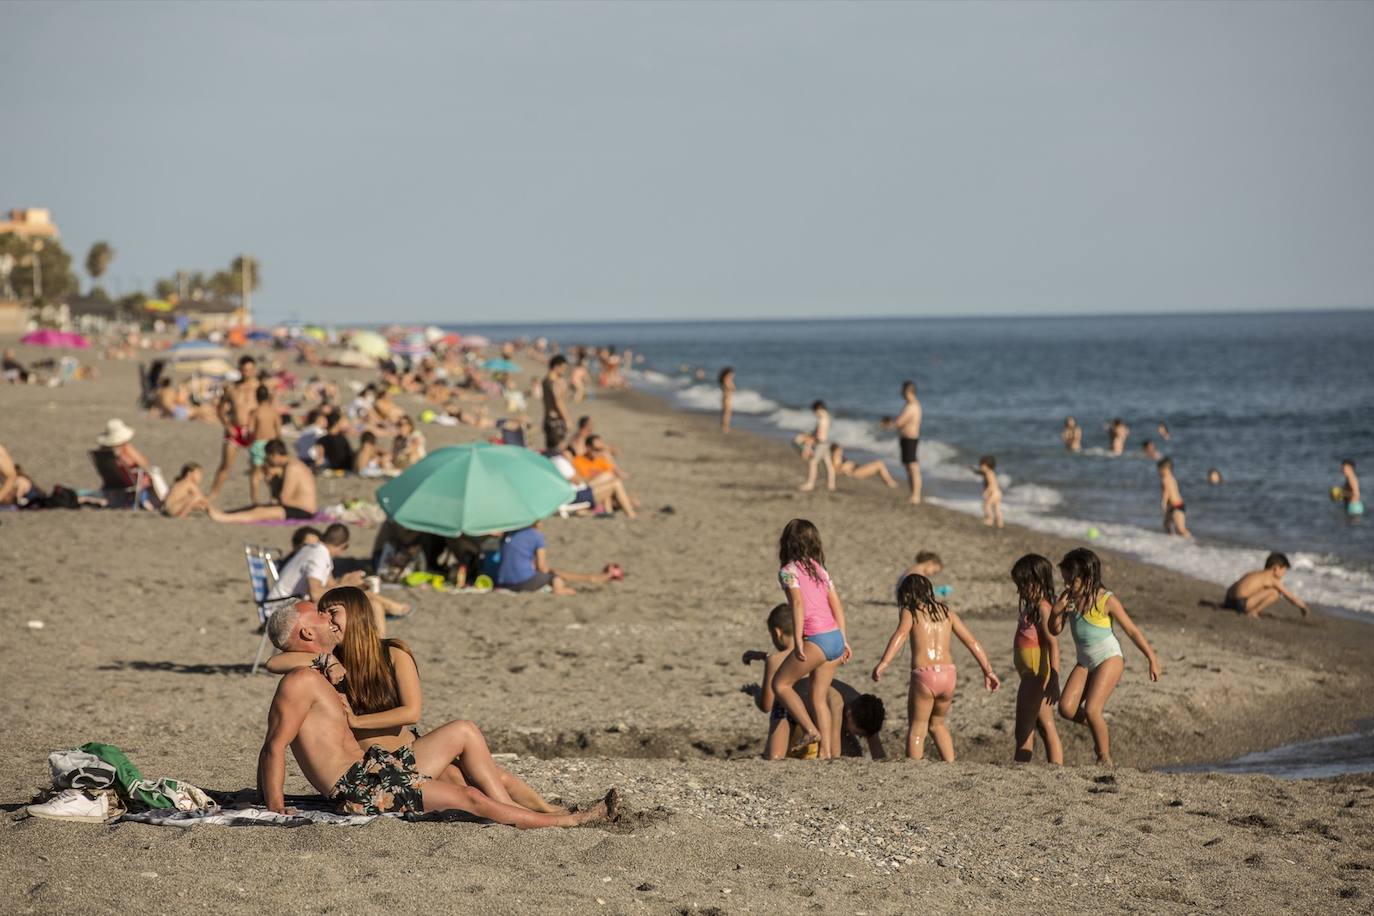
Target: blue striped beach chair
262,575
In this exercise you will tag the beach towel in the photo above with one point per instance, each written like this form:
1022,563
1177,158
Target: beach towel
307,812
317,518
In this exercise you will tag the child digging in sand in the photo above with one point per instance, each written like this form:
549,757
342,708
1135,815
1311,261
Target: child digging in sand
1257,590
819,616
992,491
1035,653
928,623
854,717
1089,609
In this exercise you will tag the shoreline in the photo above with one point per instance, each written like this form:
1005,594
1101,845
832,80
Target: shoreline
148,636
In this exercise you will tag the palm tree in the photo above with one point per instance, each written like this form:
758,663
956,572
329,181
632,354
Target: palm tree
98,260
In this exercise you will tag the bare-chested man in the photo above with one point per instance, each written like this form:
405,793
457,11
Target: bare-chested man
235,410
9,479
555,411
908,425
1255,591
1171,499
293,490
309,716
264,425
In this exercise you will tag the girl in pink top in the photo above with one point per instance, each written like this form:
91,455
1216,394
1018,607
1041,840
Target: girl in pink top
818,616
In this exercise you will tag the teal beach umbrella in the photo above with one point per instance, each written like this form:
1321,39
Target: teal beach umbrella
501,365
475,489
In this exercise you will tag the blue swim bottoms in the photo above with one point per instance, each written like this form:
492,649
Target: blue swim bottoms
831,642
1355,508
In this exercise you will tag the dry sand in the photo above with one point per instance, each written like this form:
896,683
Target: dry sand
148,633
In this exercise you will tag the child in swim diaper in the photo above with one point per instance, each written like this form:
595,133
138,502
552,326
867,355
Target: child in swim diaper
818,615
1036,655
1089,609
928,622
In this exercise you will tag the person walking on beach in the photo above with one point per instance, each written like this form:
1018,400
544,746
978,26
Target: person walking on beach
1089,609
992,490
1171,500
235,412
555,411
727,396
818,616
817,449
908,424
1035,653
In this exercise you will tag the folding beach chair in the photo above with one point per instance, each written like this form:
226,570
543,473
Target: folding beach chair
262,575
115,478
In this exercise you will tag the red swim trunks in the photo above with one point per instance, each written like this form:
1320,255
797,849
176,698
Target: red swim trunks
239,435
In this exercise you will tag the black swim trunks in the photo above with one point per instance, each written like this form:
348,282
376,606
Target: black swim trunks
555,431
1176,507
909,447
299,515
381,783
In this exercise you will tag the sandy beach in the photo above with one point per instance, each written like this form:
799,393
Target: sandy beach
147,636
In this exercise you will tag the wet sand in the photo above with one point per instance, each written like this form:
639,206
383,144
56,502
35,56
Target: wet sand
147,640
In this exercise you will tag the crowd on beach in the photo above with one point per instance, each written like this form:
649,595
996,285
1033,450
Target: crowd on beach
349,698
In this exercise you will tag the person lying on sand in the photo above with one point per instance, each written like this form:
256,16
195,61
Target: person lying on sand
293,490
525,565
381,684
308,715
1257,590
848,467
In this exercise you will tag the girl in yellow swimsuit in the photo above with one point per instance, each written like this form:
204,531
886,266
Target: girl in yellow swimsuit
1089,610
1036,655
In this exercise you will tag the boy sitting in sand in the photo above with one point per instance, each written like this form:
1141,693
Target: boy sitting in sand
1171,500
992,491
1257,590
857,719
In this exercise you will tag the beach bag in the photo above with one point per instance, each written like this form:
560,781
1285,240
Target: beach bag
77,769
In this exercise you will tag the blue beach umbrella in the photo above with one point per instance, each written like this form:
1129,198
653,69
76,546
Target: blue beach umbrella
475,489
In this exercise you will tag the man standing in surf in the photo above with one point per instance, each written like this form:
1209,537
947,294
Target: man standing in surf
908,425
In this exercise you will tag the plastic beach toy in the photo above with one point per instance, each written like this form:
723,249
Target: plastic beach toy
483,583
1094,534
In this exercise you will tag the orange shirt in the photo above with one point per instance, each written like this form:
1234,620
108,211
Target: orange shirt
591,468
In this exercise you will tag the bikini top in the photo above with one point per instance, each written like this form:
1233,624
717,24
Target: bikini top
1096,624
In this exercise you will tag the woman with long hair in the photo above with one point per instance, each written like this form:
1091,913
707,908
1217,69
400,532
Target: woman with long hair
380,685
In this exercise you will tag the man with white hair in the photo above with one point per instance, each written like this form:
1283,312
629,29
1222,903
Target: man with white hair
308,715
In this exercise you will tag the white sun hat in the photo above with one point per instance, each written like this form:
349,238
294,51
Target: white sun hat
116,434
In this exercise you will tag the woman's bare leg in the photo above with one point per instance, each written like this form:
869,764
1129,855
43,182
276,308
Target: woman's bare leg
462,741
445,796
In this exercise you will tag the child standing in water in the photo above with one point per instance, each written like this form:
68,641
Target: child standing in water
1117,431
1089,609
818,616
1072,435
928,624
1350,492
727,396
1171,499
1036,655
992,491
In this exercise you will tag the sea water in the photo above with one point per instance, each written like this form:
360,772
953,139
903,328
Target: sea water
1274,401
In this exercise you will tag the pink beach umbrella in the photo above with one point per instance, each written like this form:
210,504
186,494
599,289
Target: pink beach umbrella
50,338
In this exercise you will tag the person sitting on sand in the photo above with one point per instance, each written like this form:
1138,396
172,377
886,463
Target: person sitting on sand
606,490
409,446
13,370
525,565
927,624
309,573
369,460
848,467
118,438
1257,590
992,491
336,452
293,491
1171,500
173,403
1072,435
381,684
185,496
307,715
308,443
9,479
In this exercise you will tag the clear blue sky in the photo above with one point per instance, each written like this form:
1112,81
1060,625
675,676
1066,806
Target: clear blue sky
531,161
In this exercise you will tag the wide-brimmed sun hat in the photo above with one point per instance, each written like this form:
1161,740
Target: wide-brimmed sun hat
116,433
